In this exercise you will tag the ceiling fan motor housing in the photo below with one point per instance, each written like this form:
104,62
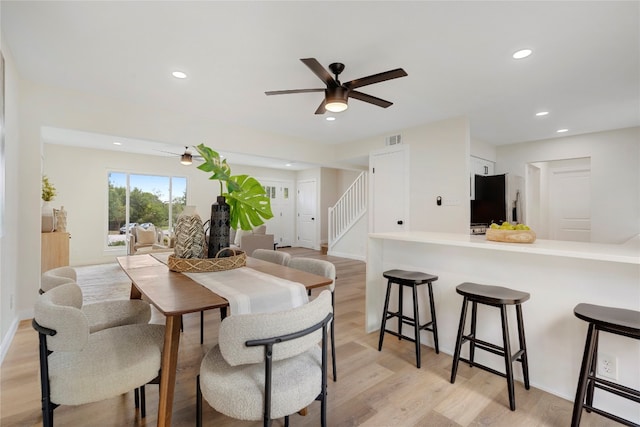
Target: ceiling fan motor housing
336,68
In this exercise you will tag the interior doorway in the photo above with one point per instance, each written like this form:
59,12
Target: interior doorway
559,199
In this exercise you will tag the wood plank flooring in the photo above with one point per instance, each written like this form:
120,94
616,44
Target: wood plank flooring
373,389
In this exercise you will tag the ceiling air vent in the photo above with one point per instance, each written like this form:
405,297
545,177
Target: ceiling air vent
393,140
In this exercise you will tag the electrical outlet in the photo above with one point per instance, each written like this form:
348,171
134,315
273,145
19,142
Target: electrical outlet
608,366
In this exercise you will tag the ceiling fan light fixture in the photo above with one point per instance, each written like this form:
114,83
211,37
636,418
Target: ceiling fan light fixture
336,100
336,106
186,159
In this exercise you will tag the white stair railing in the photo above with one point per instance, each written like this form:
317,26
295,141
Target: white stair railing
348,209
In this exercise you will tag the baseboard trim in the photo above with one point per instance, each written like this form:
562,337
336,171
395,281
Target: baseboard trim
347,255
8,339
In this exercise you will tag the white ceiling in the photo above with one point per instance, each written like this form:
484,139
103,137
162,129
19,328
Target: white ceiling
585,67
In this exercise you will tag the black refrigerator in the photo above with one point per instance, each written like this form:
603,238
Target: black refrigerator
492,202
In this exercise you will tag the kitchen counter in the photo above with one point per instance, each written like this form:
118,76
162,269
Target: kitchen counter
558,275
627,253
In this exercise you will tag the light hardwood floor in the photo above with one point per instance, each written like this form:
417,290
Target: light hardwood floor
373,389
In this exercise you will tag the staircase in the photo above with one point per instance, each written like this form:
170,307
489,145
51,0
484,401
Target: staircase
348,210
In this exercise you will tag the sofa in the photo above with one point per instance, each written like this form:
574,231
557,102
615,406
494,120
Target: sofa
250,240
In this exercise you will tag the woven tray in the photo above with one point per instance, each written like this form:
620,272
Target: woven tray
511,236
201,265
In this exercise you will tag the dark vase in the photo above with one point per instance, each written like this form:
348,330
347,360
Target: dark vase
219,227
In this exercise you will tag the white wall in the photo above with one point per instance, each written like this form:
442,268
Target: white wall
329,195
440,167
10,280
354,244
345,179
615,175
483,149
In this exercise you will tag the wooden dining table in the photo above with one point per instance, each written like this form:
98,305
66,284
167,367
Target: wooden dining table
175,294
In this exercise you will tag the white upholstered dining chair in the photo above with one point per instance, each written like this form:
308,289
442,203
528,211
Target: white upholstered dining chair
79,367
102,314
277,257
328,270
269,365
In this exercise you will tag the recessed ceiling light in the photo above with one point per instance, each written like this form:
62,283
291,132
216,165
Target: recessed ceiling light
117,143
542,113
522,53
288,164
562,130
330,119
179,75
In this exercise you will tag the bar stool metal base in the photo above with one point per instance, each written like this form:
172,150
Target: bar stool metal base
410,279
608,319
500,297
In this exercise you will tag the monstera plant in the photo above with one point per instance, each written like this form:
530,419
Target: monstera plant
249,204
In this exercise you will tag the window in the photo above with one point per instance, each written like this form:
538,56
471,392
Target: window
145,200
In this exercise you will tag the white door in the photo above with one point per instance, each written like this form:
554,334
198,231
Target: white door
570,205
307,214
389,171
282,225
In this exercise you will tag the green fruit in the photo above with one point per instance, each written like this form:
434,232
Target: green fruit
494,226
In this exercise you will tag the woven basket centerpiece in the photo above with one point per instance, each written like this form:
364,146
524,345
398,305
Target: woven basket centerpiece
226,259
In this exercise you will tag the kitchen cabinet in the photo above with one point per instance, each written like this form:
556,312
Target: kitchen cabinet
479,166
55,250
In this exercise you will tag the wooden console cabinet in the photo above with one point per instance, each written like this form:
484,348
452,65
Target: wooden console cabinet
55,250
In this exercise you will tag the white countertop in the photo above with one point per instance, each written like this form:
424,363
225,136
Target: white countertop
627,253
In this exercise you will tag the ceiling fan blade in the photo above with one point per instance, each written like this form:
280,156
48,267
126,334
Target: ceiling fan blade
286,92
321,109
319,71
376,78
169,152
370,99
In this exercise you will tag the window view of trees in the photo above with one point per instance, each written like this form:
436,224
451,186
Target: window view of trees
156,200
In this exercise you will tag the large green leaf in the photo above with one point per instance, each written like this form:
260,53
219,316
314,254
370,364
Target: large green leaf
249,205
212,163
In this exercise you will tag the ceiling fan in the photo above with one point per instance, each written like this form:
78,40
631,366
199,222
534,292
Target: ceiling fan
336,93
186,158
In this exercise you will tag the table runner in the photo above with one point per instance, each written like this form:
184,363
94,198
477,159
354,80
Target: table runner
249,290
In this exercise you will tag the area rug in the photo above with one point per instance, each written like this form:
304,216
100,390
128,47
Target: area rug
103,282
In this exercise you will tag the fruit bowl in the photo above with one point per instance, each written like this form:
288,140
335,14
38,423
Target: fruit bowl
510,236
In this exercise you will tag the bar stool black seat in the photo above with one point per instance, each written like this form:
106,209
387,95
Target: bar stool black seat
500,297
411,279
617,321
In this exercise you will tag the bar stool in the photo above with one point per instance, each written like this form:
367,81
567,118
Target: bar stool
608,319
495,296
411,279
